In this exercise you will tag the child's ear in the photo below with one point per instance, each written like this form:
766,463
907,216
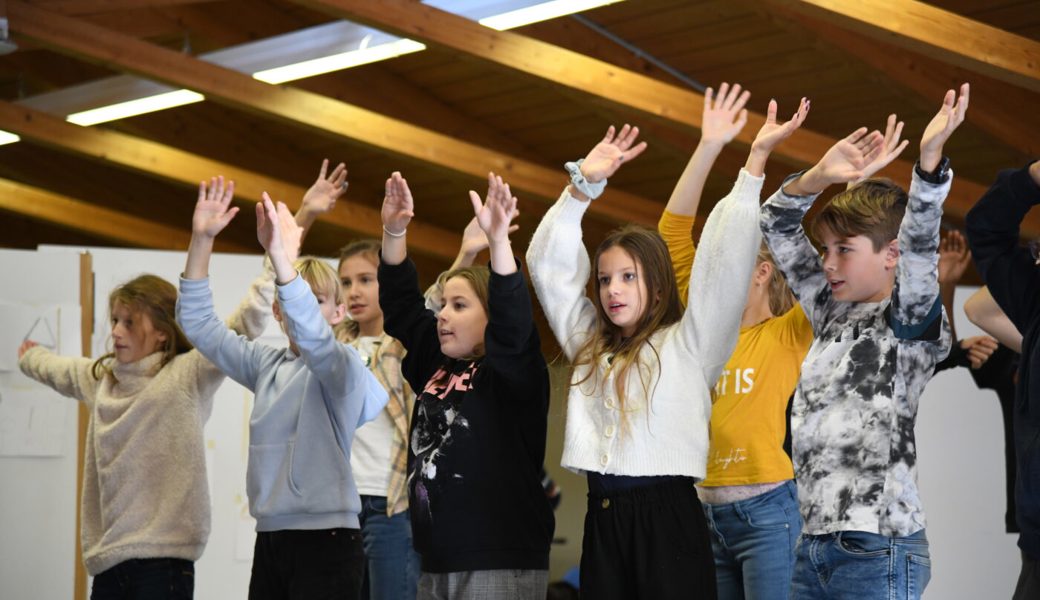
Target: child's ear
892,254
277,309
763,271
339,314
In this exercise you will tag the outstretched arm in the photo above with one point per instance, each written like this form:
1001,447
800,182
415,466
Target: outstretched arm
916,304
213,212
556,257
724,118
983,311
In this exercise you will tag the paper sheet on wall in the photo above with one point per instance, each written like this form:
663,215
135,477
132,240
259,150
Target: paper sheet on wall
32,423
20,322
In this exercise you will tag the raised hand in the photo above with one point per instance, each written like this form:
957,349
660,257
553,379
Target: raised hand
954,257
891,148
25,347
611,152
398,206
495,215
474,240
291,231
943,124
212,210
268,231
323,193
772,133
724,115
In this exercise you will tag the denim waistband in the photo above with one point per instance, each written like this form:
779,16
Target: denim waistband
787,490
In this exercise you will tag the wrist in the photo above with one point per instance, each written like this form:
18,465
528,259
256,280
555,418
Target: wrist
711,145
396,233
929,160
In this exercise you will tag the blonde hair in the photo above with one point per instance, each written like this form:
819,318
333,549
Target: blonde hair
322,278
157,298
662,308
781,299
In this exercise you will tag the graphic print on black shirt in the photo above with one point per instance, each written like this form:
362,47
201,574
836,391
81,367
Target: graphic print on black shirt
437,422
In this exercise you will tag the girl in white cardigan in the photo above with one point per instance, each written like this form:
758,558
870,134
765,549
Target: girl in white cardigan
639,402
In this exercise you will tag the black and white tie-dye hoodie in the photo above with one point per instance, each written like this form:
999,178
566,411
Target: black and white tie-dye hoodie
855,455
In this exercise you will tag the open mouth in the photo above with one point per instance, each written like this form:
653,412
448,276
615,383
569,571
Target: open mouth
614,307
836,285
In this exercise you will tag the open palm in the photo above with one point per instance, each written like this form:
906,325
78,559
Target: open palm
213,210
609,154
496,213
398,206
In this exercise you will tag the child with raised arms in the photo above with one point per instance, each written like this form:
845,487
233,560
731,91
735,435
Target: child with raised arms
309,399
639,401
879,325
145,509
749,494
480,518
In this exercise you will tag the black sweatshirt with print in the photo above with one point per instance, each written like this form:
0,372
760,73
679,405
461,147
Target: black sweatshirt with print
478,432
1013,279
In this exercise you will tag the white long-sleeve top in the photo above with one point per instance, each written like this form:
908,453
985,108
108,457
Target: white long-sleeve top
145,493
667,433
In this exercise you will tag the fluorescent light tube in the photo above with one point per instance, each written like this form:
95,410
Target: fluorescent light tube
131,108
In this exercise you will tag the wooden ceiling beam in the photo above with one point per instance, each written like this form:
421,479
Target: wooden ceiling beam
315,113
934,32
177,166
992,102
598,80
98,221
91,7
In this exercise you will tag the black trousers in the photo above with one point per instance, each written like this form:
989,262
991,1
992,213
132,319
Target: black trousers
650,542
1028,587
146,579
297,565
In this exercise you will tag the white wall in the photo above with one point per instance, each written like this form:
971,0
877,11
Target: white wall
960,448
38,494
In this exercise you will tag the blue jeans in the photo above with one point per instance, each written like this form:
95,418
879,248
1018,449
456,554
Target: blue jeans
146,579
753,541
865,566
392,565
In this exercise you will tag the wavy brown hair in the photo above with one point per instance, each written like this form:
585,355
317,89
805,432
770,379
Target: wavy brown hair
873,208
153,296
662,308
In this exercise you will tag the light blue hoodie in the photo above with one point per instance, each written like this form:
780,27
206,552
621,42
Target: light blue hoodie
305,411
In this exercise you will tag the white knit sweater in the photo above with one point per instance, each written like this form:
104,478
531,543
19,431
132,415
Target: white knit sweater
666,434
145,493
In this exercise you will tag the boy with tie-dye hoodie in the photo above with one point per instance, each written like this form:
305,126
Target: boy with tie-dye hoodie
879,326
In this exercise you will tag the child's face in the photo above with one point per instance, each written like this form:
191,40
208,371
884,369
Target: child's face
133,334
622,289
855,272
462,321
360,287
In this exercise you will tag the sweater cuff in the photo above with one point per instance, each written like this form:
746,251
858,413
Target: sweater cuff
506,284
194,286
293,290
748,187
571,209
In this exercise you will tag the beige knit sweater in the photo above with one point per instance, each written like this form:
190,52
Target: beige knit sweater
145,493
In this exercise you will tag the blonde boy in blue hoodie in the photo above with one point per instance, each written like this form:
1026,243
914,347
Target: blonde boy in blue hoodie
309,399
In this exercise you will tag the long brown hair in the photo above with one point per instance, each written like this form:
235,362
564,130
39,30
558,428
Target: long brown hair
662,308
157,298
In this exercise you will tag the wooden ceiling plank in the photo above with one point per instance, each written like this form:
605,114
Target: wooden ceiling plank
95,220
188,169
992,101
594,78
318,114
934,32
